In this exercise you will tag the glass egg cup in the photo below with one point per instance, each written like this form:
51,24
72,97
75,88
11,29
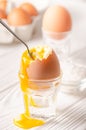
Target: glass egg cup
60,42
42,96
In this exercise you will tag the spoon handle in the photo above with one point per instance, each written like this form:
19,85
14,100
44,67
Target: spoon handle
3,23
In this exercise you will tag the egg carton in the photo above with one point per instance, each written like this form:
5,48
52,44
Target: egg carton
24,32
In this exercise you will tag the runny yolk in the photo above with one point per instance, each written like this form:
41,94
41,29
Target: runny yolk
25,120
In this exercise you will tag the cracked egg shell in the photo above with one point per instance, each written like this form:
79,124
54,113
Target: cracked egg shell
44,69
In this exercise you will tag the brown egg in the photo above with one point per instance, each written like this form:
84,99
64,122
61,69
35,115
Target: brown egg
18,17
44,69
3,4
56,19
29,8
3,14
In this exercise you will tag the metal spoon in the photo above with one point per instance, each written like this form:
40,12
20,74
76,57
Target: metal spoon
3,23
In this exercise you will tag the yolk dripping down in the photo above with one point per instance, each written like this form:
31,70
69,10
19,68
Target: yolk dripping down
24,79
37,53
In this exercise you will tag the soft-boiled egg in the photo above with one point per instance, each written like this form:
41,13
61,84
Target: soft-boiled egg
18,17
45,67
3,14
56,19
45,64
29,8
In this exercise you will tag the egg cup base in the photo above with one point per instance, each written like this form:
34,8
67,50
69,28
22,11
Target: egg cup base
42,98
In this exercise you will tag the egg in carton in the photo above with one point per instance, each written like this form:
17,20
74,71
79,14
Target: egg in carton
21,22
35,16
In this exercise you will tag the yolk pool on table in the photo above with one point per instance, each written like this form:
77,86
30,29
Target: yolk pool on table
25,121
